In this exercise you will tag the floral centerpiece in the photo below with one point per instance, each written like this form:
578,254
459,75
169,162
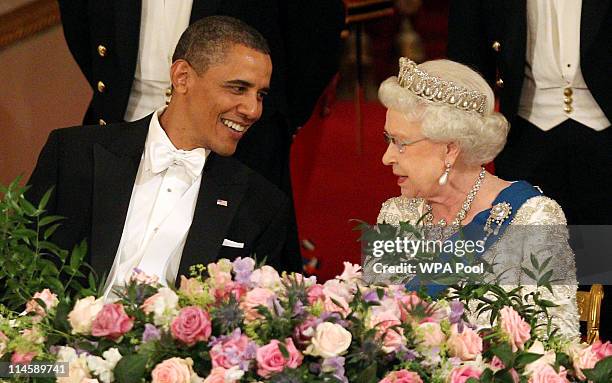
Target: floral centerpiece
235,322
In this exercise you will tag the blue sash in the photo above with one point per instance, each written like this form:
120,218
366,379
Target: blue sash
516,194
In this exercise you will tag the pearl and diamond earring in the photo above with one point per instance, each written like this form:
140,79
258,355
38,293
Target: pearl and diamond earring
444,177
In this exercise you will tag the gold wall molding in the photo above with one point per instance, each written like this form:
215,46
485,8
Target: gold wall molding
28,19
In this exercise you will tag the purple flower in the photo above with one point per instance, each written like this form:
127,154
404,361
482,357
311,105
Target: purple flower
298,309
150,333
243,268
371,296
406,354
456,313
337,318
278,308
335,366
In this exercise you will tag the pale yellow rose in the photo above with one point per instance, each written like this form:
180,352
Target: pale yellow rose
77,371
173,370
82,315
465,345
329,340
266,277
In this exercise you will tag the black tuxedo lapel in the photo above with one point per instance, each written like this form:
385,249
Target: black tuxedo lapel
115,168
127,34
203,8
593,14
223,179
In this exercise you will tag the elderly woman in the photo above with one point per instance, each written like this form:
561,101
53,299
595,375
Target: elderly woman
442,128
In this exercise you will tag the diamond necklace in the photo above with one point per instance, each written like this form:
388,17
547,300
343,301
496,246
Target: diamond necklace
465,208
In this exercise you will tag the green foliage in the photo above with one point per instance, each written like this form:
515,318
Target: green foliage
30,261
602,372
131,369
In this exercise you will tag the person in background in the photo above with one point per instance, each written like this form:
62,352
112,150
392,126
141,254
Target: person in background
550,61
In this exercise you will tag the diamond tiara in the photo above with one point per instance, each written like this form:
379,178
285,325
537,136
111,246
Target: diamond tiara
438,91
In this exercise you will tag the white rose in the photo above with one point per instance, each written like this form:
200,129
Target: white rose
66,354
329,340
163,305
234,374
266,277
83,314
103,368
77,371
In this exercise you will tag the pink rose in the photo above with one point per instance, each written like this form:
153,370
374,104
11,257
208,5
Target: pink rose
221,375
256,297
112,322
191,287
388,328
173,370
602,350
515,327
463,373
47,297
235,346
583,358
315,293
235,289
465,345
497,364
547,374
191,325
270,358
22,357
217,375
402,376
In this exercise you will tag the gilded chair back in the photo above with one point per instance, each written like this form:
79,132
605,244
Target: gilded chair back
589,309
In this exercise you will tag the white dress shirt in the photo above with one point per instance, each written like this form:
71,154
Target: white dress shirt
160,213
554,89
161,24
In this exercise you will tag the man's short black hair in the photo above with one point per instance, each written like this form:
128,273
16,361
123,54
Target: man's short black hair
205,42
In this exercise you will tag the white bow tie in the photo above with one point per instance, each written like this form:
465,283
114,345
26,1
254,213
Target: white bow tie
162,157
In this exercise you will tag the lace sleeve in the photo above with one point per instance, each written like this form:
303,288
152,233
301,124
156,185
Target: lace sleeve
400,209
538,234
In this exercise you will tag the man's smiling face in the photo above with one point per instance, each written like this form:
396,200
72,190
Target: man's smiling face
225,100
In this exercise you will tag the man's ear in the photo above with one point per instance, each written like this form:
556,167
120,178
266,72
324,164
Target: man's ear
180,76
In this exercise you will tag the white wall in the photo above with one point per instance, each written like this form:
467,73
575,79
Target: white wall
41,89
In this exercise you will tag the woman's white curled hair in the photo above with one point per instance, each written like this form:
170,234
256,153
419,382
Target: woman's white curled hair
480,138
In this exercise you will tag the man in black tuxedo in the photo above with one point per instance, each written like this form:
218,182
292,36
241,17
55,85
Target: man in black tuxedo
110,39
162,193
550,62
